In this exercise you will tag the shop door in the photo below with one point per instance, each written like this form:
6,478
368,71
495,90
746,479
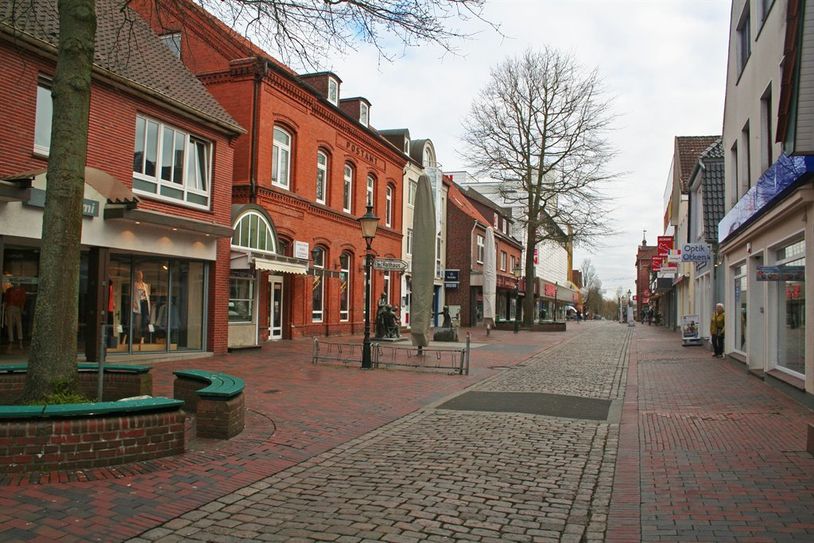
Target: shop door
276,307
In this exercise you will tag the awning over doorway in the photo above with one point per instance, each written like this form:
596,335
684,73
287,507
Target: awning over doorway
268,262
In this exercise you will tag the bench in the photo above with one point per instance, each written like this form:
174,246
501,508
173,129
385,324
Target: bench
216,399
22,367
88,409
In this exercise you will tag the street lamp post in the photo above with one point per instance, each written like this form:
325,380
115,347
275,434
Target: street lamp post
516,271
628,310
368,223
556,292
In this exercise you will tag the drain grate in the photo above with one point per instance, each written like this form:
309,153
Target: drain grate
533,403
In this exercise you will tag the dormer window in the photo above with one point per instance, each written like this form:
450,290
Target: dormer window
364,113
333,91
407,146
429,159
173,43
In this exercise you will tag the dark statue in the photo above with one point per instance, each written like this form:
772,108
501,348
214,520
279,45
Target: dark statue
446,332
387,323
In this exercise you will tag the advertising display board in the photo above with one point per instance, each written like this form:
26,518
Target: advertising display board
690,330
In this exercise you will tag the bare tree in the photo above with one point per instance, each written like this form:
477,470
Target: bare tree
539,127
301,28
591,287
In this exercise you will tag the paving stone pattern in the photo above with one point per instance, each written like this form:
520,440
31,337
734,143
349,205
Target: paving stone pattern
439,475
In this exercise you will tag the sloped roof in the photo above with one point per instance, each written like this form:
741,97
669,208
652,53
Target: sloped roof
713,189
485,200
688,150
126,47
456,197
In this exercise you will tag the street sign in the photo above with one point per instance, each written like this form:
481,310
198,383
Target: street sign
389,264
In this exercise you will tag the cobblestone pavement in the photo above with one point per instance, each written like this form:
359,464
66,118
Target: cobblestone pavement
441,475
708,452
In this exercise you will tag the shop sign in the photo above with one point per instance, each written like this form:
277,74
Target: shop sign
452,276
655,263
690,329
695,252
781,273
550,291
301,250
90,208
665,245
536,257
390,264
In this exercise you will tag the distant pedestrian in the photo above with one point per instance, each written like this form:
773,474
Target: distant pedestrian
649,316
716,329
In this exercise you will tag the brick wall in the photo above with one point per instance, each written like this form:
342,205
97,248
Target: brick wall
116,386
215,418
459,237
65,444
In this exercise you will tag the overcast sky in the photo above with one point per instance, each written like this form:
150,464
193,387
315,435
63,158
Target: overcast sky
663,61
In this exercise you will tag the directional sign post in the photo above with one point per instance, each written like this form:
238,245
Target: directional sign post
390,264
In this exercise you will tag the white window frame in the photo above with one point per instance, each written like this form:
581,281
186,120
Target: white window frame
370,191
250,301
322,177
43,119
386,286
333,91
347,189
344,314
160,184
481,244
364,114
409,249
412,188
504,257
428,157
388,206
281,156
744,38
249,217
317,315
438,272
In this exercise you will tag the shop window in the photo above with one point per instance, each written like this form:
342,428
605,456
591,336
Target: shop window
43,118
318,288
322,176
168,163
344,286
252,231
281,158
791,309
241,299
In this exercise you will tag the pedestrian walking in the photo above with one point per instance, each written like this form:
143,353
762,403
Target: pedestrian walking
649,316
716,330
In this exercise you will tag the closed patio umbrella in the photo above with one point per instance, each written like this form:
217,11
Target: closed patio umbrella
489,279
423,263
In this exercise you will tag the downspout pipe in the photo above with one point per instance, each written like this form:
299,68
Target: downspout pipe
261,67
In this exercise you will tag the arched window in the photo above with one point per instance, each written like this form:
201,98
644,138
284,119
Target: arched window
344,286
322,176
252,231
281,158
370,192
388,206
347,189
429,159
318,289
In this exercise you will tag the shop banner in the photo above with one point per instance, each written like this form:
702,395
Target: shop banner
665,245
695,252
690,329
781,273
655,263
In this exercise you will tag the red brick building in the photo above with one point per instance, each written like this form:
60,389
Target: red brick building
303,174
643,263
156,229
469,214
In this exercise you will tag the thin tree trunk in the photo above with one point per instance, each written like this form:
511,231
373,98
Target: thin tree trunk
52,362
531,279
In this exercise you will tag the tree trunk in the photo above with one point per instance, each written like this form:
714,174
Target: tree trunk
528,300
52,362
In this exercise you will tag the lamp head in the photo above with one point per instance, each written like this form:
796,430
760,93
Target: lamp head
369,222
517,271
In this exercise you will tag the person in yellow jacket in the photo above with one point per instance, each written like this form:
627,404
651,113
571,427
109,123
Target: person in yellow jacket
717,326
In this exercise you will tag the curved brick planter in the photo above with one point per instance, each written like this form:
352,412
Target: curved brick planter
88,440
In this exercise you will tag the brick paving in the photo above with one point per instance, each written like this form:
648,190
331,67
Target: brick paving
295,411
708,452
440,475
694,450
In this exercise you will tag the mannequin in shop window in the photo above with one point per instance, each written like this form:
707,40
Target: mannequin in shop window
141,309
